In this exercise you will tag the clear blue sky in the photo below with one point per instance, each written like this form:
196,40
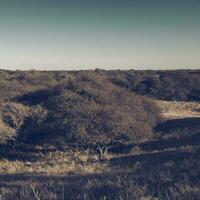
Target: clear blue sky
110,34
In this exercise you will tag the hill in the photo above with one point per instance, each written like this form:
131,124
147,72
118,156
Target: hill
100,135
86,109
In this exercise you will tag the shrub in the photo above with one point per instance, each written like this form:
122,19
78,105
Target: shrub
92,112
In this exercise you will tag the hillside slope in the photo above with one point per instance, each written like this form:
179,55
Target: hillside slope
49,106
54,125
86,110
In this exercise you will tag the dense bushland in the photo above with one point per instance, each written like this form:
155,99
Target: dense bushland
88,108
88,111
43,112
180,85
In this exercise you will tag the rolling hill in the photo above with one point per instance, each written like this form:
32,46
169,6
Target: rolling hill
100,134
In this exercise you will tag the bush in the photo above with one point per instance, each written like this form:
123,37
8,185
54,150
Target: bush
92,112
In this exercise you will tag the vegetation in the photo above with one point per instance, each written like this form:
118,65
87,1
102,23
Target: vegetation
108,134
180,85
86,110
171,175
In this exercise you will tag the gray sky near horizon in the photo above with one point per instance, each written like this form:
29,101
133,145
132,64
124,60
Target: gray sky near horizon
108,34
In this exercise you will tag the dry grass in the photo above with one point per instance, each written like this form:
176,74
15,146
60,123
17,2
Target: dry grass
55,163
178,110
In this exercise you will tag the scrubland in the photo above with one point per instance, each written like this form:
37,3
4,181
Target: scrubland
100,135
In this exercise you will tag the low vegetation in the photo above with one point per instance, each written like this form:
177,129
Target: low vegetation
100,135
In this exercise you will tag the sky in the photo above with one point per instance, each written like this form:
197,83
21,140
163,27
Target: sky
107,34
